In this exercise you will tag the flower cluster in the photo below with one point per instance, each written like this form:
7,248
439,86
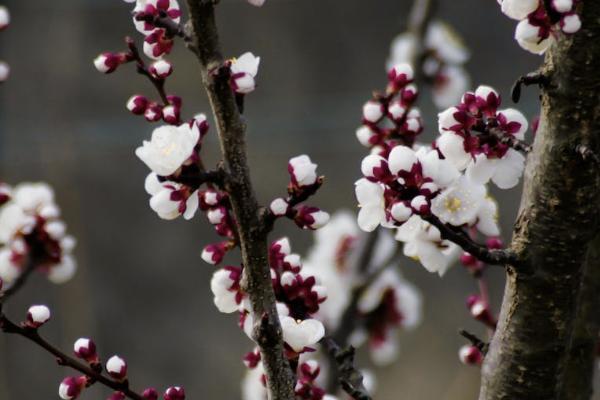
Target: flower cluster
385,306
541,21
298,296
445,54
4,22
479,138
304,182
390,119
32,233
404,184
157,40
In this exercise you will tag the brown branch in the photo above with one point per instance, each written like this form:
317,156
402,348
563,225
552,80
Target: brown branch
532,78
482,253
350,378
142,69
253,236
63,359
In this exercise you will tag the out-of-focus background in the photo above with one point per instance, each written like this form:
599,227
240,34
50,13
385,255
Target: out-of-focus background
142,290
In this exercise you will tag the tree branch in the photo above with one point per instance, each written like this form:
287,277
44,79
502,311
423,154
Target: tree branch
482,253
159,84
349,377
253,236
63,359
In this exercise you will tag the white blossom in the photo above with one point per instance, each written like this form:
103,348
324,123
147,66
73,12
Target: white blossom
300,334
243,72
169,148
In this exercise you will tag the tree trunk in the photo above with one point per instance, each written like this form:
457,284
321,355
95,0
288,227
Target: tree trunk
530,352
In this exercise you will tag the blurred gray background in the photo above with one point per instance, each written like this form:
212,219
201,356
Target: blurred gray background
142,290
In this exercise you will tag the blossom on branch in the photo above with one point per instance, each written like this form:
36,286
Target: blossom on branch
479,138
541,22
33,234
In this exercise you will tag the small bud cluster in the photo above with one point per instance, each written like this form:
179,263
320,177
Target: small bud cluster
32,233
541,21
442,67
477,137
304,182
298,296
157,40
4,22
218,210
390,119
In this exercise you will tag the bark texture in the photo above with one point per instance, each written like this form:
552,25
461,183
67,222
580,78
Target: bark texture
581,360
252,232
530,352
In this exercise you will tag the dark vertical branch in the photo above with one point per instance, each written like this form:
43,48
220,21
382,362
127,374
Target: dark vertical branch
418,23
558,220
253,236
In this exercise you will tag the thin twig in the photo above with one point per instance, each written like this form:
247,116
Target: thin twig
142,69
488,256
63,359
350,378
475,341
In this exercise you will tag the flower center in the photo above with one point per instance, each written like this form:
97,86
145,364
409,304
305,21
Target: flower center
453,204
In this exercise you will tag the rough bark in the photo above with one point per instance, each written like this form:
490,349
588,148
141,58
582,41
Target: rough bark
252,234
581,360
558,220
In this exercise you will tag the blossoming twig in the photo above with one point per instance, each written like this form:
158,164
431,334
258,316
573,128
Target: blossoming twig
63,359
349,377
142,69
161,20
492,257
253,238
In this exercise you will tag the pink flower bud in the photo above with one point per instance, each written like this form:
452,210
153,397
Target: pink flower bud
420,205
302,171
310,369
174,393
292,262
153,112
37,316
311,218
170,114
252,359
108,62
375,168
470,355
372,111
117,368
401,212
86,349
137,104
400,75
468,260
71,387
161,69
150,394
117,396
214,253
4,17
201,123
494,243
279,207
